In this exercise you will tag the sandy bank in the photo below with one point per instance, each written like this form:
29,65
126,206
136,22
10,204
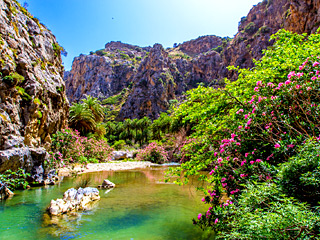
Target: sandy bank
109,166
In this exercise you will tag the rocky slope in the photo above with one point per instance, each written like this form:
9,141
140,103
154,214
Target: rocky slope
163,75
33,103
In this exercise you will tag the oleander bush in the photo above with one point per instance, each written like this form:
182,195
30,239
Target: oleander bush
69,147
261,130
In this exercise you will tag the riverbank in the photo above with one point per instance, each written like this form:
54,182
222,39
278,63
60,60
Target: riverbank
109,166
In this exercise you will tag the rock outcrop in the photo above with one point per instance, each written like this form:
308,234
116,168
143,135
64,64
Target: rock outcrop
163,75
73,200
33,103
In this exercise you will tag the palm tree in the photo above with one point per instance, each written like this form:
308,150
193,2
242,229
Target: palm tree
127,125
81,118
95,106
143,124
134,126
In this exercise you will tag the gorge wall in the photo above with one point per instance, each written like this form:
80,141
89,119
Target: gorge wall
154,76
33,103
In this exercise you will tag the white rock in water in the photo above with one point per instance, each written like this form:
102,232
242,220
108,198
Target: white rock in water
107,184
73,200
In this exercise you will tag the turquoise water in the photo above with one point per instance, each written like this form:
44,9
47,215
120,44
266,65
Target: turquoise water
140,207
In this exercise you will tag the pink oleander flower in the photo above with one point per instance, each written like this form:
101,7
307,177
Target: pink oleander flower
243,162
270,84
233,135
259,83
239,127
243,175
256,89
224,184
287,82
299,75
246,154
291,74
216,221
251,162
280,84
203,199
258,160
277,145
314,78
315,64
298,86
212,171
223,179
199,216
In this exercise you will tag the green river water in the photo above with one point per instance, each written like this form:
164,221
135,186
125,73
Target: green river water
140,207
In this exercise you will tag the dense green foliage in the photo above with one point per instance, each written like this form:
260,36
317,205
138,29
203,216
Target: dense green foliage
244,138
15,180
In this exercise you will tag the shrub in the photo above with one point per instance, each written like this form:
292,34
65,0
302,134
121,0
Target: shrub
25,96
153,153
15,180
13,79
119,144
300,176
262,212
250,28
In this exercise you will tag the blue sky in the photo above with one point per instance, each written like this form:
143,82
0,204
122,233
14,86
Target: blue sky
81,26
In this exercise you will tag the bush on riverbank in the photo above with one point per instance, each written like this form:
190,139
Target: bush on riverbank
153,153
69,147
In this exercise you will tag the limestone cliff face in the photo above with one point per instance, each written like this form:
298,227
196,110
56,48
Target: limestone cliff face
202,60
33,103
103,73
200,45
154,86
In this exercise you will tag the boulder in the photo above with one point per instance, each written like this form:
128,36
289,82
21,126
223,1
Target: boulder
117,155
107,184
73,200
4,191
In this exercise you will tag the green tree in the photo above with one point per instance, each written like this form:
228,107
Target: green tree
95,106
81,118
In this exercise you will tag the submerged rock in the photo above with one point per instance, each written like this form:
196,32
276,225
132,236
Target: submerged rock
107,184
74,200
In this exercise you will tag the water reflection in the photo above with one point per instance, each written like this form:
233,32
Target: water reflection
140,207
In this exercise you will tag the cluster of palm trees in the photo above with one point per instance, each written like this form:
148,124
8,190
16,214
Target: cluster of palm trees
88,118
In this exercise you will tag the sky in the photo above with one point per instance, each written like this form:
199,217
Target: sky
81,26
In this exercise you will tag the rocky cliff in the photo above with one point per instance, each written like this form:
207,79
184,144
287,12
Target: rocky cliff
162,75
33,104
